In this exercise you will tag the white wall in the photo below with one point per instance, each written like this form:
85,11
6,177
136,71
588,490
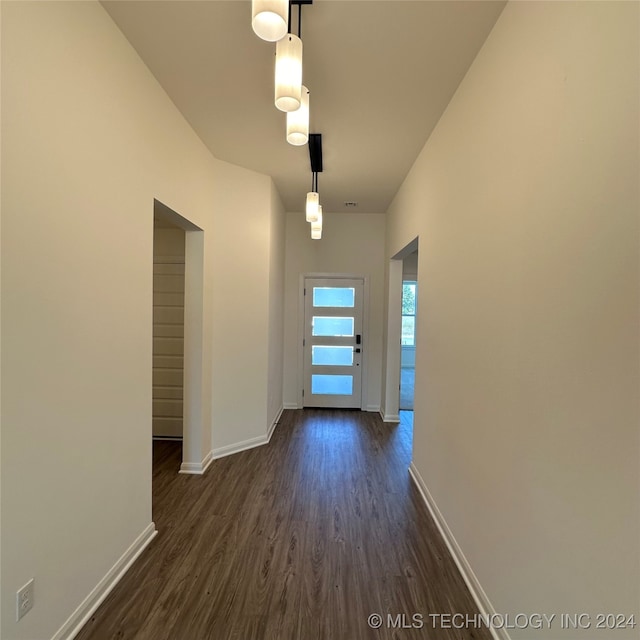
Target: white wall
0,324
241,308
525,200
89,139
275,336
351,243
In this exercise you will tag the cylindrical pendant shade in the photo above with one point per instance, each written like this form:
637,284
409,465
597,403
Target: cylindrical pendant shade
269,19
298,121
288,73
313,203
316,226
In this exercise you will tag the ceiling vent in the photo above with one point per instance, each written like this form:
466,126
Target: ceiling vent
351,205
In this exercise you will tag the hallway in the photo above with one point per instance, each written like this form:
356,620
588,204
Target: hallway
303,538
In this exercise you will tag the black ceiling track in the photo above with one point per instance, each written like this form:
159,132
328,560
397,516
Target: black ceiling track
315,152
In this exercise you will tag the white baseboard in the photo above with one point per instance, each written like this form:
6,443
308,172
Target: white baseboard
291,405
374,408
477,592
197,468
79,617
274,424
237,447
389,417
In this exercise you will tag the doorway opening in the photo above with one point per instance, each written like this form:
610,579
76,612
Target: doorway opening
409,309
408,345
178,292
408,337
401,339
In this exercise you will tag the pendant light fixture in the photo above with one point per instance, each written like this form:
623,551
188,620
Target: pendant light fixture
313,200
316,227
288,73
288,90
298,121
270,19
312,206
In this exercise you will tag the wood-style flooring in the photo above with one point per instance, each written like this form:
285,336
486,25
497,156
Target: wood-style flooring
301,539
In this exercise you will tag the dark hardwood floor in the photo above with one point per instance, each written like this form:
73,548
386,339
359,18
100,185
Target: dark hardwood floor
301,539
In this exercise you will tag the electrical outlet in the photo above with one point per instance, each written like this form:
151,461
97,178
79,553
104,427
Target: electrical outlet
24,599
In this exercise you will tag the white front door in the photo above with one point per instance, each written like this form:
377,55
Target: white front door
333,342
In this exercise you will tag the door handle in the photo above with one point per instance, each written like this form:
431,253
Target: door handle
358,338
356,350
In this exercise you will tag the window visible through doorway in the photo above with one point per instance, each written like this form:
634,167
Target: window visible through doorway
408,313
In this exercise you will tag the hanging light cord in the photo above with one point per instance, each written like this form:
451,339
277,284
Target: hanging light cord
299,19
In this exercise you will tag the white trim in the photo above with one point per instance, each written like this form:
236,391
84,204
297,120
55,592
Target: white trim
364,375
195,401
391,380
197,468
477,592
252,443
291,405
79,617
274,424
374,408
196,404
390,417
364,370
299,345
237,447
392,345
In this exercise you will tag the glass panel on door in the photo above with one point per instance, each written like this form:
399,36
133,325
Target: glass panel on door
332,327
334,297
334,356
331,385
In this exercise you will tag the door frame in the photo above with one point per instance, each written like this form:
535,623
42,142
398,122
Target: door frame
390,410
196,442
365,331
